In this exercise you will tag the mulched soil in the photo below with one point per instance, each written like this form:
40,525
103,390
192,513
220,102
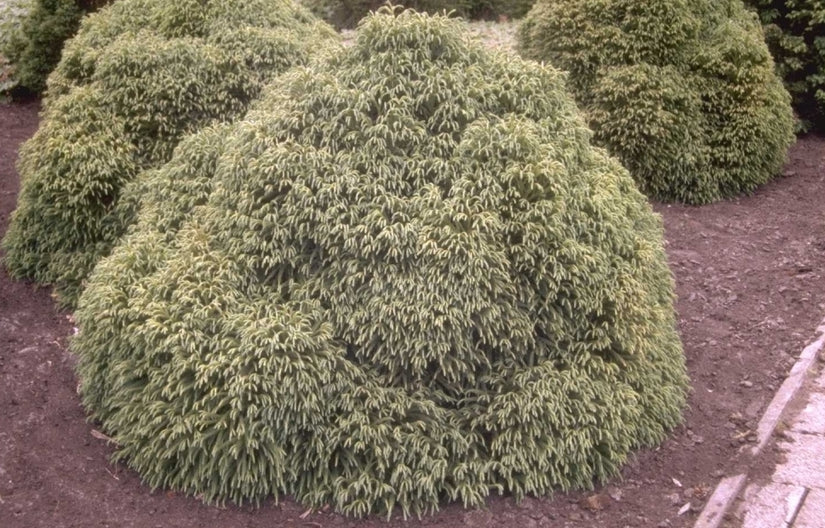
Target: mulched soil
750,294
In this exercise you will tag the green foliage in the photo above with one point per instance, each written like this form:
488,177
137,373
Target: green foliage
795,32
404,277
32,33
139,75
347,13
12,14
34,50
683,92
509,8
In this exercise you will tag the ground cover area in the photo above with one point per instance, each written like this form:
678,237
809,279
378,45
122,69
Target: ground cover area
749,284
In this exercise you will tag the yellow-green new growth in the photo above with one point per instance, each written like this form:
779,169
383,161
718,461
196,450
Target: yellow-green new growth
405,277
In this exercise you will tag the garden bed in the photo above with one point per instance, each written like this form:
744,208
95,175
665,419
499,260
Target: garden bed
749,283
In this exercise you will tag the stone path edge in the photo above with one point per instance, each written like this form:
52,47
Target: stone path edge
730,487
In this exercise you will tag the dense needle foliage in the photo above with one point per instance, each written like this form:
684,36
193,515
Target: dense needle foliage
404,277
138,76
347,13
795,32
12,15
684,92
34,48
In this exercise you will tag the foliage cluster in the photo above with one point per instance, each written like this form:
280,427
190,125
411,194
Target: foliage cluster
795,32
405,276
347,13
508,8
138,76
34,49
684,92
12,14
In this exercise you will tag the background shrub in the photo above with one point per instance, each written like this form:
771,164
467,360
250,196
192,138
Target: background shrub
347,13
683,92
34,49
12,14
404,277
509,8
139,75
795,32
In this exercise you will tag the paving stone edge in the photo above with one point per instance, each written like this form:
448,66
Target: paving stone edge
730,487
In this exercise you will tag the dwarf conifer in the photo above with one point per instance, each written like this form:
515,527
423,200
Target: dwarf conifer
139,75
347,13
34,49
405,277
13,14
683,92
795,32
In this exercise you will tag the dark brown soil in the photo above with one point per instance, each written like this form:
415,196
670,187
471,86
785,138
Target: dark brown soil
749,280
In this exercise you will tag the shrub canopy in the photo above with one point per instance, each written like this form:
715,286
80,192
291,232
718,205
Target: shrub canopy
139,75
32,33
795,32
682,91
34,49
12,15
405,276
347,13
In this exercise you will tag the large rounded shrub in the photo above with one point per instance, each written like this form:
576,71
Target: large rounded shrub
139,75
406,276
682,91
795,32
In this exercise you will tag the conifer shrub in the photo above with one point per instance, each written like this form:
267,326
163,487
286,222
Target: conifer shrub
683,92
139,75
795,33
344,14
347,13
404,277
508,8
12,14
31,46
35,48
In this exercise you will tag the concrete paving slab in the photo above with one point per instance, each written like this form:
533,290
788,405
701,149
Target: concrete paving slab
804,464
812,514
779,503
771,506
812,418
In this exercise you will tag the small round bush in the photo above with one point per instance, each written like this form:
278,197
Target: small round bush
404,277
683,92
139,75
795,32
